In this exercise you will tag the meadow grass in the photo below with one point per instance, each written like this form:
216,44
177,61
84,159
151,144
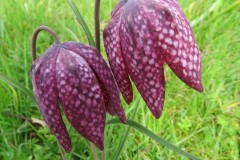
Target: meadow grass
206,124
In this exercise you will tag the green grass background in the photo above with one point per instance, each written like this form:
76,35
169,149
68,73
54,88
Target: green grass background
206,125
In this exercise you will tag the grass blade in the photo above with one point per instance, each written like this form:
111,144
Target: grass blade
232,7
82,22
204,15
154,137
17,85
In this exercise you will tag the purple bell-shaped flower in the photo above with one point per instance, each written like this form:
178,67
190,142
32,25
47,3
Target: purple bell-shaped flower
141,37
77,77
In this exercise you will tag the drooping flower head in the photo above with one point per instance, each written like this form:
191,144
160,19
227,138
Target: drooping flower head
141,37
77,77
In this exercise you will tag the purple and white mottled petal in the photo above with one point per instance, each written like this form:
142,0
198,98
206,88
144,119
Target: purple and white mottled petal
81,97
142,57
100,67
176,40
45,91
108,106
113,49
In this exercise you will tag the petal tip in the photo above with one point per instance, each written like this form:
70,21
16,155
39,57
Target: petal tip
157,115
128,99
122,117
123,120
99,143
101,146
67,149
66,145
198,88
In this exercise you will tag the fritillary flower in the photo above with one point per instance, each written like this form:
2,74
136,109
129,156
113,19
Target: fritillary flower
77,77
141,37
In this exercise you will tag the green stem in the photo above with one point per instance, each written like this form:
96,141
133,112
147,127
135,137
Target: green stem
103,155
119,150
97,24
61,151
93,147
97,40
34,38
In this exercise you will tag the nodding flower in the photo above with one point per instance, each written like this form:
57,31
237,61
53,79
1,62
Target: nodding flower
141,37
77,77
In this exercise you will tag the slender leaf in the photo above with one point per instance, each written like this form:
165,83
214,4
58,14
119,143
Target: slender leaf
17,85
154,137
82,22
